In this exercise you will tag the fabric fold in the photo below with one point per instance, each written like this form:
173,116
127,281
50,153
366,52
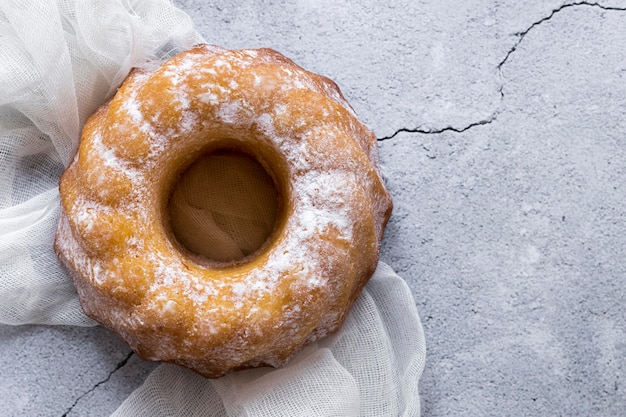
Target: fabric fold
61,60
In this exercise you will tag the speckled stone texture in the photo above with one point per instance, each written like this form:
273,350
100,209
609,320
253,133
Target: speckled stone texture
502,128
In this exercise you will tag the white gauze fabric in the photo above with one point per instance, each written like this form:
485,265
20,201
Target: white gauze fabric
61,59
224,206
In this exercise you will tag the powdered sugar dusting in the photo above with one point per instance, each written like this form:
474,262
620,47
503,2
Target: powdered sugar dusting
110,159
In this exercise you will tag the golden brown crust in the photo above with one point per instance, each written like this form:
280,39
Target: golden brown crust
134,278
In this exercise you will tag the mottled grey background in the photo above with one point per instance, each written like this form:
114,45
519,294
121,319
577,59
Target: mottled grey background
503,133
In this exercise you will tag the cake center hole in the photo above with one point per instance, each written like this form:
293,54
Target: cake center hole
224,206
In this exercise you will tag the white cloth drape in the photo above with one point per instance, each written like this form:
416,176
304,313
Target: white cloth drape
61,59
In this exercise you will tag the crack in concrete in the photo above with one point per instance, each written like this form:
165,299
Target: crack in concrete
430,131
520,37
119,365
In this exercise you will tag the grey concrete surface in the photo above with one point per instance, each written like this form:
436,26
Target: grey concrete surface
503,134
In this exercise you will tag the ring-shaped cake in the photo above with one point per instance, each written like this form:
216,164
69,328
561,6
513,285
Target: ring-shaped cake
132,273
